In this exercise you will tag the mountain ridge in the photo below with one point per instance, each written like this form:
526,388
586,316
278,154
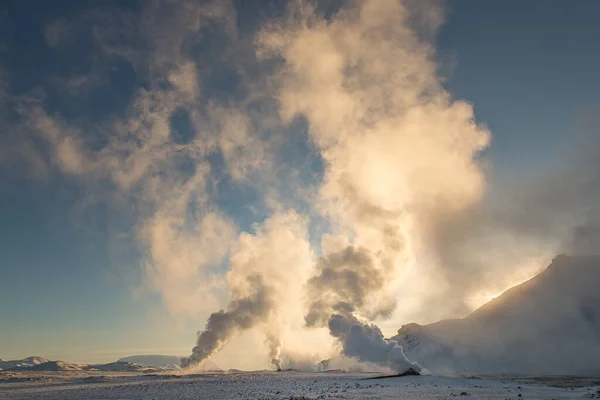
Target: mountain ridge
549,324
28,361
136,363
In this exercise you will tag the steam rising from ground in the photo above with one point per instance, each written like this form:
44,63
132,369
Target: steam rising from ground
273,342
347,283
397,191
399,154
366,343
266,275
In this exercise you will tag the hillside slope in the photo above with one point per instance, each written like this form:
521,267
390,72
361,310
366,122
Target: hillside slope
26,362
121,366
164,362
547,325
127,364
67,366
56,366
157,361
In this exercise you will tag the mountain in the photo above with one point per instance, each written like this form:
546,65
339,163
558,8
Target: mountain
121,366
51,366
547,325
149,363
26,362
156,361
164,362
41,364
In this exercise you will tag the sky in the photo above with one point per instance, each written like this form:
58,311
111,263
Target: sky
153,155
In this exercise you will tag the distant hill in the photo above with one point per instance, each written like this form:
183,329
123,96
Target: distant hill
42,364
55,366
161,361
547,325
141,363
157,361
121,366
26,362
49,366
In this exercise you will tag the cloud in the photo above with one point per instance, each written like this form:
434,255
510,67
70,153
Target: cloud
243,150
56,31
135,160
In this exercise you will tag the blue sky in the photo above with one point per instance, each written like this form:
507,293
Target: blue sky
71,281
528,67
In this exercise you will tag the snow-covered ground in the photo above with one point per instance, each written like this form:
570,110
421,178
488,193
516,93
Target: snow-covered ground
547,325
282,385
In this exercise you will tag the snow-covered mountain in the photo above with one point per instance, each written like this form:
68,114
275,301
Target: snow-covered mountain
55,366
157,361
165,362
127,364
121,366
42,364
49,366
547,325
26,362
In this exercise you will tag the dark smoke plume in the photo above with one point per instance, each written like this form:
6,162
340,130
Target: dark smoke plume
241,314
265,281
366,343
345,285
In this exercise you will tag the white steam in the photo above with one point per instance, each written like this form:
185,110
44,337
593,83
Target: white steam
365,342
265,280
397,190
399,155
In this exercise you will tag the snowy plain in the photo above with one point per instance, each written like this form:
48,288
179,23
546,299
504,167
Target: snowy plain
284,385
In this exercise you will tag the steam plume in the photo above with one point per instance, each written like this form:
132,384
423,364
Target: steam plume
399,155
366,342
274,344
241,314
345,283
400,184
267,271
